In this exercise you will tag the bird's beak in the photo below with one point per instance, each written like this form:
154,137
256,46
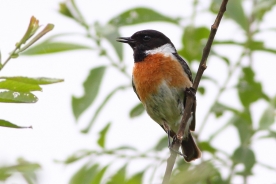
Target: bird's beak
125,40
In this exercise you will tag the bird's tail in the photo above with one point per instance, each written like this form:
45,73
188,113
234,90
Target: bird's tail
190,149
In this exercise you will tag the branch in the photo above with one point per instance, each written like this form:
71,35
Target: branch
190,100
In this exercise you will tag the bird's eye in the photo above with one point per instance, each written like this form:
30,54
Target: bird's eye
146,38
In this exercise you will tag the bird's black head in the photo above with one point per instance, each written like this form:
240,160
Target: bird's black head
144,41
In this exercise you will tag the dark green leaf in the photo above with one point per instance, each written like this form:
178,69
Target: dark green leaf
107,98
137,110
138,16
4,123
193,41
245,156
249,90
48,47
85,175
91,89
19,86
206,146
201,90
136,179
267,118
118,177
35,81
17,97
103,132
163,143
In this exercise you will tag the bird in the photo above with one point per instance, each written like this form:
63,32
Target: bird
160,77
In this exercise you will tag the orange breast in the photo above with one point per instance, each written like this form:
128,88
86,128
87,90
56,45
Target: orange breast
153,70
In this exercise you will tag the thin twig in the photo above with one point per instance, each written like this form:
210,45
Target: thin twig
190,99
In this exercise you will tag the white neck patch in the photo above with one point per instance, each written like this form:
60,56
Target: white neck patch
166,49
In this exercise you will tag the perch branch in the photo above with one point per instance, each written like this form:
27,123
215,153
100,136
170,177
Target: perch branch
190,100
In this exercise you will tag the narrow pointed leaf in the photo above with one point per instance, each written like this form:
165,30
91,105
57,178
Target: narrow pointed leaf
4,123
19,86
91,89
118,177
84,175
17,97
98,177
136,179
54,47
38,81
137,110
103,132
138,16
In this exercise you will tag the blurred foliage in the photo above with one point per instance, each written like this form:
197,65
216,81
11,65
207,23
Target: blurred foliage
23,167
248,88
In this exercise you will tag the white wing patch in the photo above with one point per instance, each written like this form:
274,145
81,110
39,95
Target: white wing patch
166,49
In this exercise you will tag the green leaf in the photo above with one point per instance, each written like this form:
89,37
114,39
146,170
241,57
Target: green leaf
138,16
245,156
219,108
103,132
35,81
98,177
137,110
201,90
19,86
206,146
49,47
17,97
64,10
110,33
263,7
99,109
243,123
249,90
234,11
202,173
118,177
85,175
76,156
91,89
4,123
193,40
136,179
163,143
23,167
267,118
